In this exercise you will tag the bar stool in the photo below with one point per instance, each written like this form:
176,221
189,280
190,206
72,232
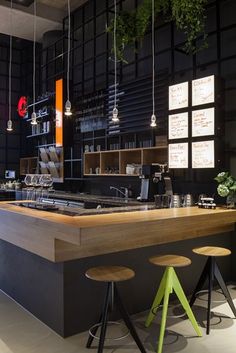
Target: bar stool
211,271
111,275
170,283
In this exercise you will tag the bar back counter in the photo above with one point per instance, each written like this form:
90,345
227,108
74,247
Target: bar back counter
44,257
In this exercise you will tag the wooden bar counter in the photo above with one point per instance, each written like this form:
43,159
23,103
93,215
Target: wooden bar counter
43,256
60,238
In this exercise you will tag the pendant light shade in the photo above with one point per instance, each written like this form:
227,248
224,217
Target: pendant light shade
9,122
153,117
33,119
9,125
68,111
68,108
153,121
115,117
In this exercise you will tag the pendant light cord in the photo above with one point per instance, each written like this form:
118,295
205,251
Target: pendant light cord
10,68
115,52
34,57
68,52
153,58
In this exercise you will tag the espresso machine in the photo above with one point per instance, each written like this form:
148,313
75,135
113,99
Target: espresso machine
155,180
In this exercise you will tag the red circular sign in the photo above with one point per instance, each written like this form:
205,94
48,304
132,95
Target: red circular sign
22,106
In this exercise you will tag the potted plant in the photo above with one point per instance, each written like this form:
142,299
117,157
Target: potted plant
227,188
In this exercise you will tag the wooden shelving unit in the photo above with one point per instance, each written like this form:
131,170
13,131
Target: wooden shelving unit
28,165
51,162
113,163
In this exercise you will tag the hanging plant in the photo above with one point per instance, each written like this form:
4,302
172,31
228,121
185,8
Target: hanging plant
189,16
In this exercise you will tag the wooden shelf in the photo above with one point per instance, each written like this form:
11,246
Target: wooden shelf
113,175
35,135
118,160
28,165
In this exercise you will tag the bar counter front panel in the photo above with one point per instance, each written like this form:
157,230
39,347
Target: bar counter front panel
44,257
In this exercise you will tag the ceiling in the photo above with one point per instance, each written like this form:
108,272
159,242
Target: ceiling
50,14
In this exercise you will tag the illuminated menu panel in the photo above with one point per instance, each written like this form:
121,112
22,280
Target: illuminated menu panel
203,154
178,96
178,126
203,122
178,155
203,90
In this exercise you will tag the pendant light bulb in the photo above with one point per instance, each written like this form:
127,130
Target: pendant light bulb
115,115
33,119
68,111
9,125
153,121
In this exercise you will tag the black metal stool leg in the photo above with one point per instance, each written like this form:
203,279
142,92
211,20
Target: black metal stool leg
127,320
104,319
224,288
210,287
201,282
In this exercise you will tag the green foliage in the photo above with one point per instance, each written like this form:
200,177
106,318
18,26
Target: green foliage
227,184
132,26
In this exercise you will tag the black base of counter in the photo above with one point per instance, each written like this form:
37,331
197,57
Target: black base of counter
64,299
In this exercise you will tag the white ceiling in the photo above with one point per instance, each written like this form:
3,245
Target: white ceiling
50,14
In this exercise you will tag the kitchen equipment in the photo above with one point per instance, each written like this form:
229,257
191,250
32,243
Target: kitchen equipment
154,180
175,201
188,200
162,201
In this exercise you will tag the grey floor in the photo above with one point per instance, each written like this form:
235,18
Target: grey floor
20,332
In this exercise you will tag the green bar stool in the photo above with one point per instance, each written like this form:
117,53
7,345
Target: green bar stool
170,283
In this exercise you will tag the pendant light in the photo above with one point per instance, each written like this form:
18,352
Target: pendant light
33,115
9,122
115,112
68,103
153,117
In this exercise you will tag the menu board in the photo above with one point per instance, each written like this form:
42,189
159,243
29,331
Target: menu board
203,122
178,155
203,90
203,154
178,126
178,96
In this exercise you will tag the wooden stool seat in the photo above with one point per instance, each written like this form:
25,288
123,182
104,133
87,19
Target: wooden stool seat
170,261
212,251
110,273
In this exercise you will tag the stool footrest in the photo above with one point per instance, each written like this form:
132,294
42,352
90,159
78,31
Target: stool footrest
109,323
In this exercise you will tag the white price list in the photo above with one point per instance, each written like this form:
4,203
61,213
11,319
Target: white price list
203,154
178,96
178,155
178,126
203,122
203,90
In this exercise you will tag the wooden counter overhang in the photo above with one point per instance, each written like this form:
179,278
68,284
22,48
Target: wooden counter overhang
59,238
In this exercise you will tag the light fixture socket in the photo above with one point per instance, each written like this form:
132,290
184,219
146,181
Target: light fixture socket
33,119
68,111
9,125
153,121
115,115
